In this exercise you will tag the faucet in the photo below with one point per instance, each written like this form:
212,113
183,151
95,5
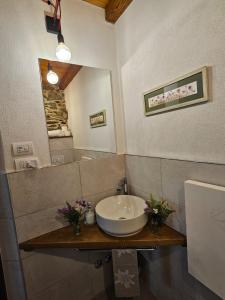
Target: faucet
122,188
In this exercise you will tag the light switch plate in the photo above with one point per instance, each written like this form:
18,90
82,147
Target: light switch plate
58,159
27,163
22,148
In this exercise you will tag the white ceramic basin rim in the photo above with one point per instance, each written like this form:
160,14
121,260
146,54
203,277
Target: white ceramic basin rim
121,215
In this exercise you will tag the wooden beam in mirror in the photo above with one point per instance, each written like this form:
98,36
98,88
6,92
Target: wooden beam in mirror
66,72
68,76
100,3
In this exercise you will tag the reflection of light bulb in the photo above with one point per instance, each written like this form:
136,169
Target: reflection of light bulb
62,51
52,77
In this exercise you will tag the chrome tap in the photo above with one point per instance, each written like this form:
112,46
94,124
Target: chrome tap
123,188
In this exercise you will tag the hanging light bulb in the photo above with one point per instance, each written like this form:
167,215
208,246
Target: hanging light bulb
52,77
62,51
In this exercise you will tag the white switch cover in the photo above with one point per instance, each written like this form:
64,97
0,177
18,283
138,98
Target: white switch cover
58,159
22,148
27,163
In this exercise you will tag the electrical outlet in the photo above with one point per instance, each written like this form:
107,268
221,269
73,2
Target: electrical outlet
22,148
58,159
27,163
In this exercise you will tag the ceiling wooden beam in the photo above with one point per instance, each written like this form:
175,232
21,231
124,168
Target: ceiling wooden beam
69,75
100,3
115,9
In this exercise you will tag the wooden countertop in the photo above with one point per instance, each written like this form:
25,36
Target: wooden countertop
92,237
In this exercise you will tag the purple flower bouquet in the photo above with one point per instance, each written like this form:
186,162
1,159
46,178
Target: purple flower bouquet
74,214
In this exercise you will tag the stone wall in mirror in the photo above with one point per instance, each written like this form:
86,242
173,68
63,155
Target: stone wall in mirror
79,111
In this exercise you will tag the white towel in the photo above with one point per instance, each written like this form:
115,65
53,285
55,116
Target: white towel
126,275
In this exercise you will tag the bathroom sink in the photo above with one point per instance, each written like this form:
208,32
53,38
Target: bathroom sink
121,215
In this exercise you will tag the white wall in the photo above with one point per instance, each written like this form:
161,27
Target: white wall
88,93
158,41
25,39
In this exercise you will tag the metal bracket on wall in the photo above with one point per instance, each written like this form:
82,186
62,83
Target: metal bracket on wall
52,25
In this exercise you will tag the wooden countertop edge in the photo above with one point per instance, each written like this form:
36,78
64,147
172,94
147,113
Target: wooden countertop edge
109,242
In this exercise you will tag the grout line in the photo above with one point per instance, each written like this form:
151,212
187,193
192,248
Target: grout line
102,192
37,211
161,177
178,159
81,187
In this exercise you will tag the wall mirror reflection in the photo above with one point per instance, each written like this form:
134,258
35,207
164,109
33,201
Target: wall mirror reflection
79,111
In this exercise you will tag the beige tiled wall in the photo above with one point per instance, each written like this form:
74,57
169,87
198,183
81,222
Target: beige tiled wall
36,195
62,274
166,269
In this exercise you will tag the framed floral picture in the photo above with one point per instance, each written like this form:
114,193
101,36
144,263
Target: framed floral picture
98,119
184,91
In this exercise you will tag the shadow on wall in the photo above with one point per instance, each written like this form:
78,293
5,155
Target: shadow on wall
2,161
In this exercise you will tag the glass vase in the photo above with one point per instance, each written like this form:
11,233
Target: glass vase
76,228
155,223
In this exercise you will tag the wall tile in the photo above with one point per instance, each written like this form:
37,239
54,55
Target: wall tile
50,272
41,189
61,143
135,190
38,223
78,153
100,175
66,289
94,199
67,153
144,173
174,173
25,254
102,278
14,280
5,203
8,240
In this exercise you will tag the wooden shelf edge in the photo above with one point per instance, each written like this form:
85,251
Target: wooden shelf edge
92,238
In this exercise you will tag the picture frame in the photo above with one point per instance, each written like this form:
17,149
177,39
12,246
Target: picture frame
98,119
187,90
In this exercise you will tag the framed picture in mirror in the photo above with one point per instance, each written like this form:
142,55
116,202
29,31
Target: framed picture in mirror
98,119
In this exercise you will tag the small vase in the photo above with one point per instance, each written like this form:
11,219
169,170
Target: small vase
155,224
76,228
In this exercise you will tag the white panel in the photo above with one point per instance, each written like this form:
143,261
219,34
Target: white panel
205,218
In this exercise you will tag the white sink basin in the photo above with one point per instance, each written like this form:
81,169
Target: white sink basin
121,215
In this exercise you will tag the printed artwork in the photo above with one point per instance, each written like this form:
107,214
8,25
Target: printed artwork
185,91
98,119
181,92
